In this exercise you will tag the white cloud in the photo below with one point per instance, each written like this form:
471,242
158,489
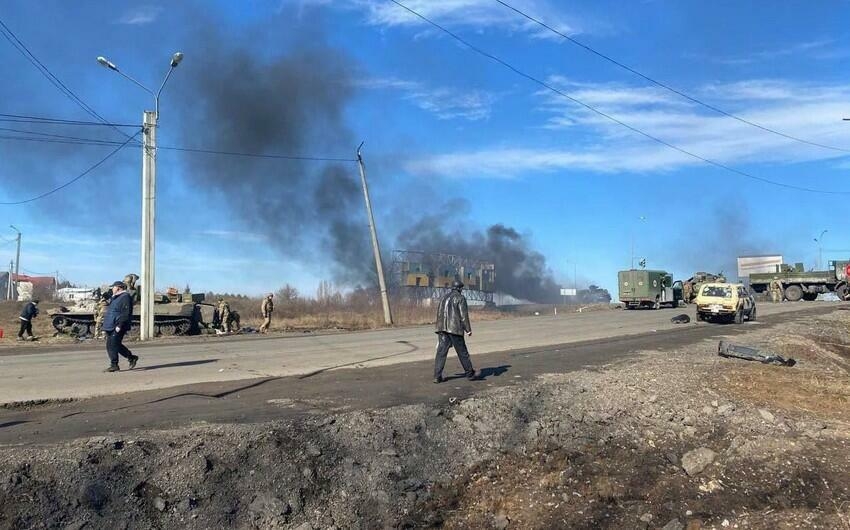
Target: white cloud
140,15
459,13
805,110
824,49
444,102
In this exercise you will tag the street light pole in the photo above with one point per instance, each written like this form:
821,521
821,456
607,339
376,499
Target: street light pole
17,257
148,263
819,241
385,300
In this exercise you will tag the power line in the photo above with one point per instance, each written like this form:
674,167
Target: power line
259,155
55,81
668,87
78,177
75,140
21,118
608,116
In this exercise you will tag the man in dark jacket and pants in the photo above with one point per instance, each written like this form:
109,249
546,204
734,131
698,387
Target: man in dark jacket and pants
452,323
29,312
116,324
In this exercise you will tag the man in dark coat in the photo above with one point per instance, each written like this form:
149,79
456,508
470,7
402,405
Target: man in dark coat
116,324
29,312
452,323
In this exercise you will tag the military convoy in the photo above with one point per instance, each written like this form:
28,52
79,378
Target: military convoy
800,284
174,314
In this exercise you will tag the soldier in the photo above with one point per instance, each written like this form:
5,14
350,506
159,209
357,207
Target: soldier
103,296
224,316
130,281
687,291
775,291
267,309
452,323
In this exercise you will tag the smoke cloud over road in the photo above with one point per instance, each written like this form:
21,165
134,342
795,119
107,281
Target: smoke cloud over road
313,211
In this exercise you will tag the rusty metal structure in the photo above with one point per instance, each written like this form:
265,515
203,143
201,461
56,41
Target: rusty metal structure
420,276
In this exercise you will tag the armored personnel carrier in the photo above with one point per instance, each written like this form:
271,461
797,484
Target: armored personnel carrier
174,314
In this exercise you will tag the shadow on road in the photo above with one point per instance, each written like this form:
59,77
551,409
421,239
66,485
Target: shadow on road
483,374
12,423
174,365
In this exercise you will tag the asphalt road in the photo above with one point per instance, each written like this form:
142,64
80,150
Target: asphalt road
265,379
78,373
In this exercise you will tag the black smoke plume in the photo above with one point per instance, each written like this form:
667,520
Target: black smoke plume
312,212
520,270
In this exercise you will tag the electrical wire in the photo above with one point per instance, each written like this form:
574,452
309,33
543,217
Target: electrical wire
608,116
666,86
55,81
258,155
63,139
21,118
78,177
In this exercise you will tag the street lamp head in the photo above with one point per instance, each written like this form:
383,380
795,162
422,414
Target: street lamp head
176,58
104,62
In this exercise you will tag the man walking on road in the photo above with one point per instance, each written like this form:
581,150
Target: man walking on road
267,309
116,324
452,323
29,312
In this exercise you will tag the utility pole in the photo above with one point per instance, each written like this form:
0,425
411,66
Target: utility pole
385,300
146,332
150,118
9,283
17,257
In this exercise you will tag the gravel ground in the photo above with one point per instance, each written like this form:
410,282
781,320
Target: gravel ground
674,440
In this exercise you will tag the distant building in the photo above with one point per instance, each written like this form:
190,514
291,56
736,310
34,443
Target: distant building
29,286
421,276
73,294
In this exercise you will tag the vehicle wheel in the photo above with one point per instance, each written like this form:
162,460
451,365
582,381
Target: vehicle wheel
841,291
753,314
739,316
793,293
700,317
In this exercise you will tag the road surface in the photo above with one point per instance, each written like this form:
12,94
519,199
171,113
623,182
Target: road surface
76,373
396,382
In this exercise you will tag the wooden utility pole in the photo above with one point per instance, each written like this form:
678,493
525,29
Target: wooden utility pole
385,299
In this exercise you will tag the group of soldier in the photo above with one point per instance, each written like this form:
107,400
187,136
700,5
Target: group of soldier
228,320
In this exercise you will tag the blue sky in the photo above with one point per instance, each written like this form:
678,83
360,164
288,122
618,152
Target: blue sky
440,123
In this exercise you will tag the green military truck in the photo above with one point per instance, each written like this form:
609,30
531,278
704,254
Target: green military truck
648,289
800,284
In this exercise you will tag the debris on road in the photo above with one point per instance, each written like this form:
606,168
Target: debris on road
681,319
725,349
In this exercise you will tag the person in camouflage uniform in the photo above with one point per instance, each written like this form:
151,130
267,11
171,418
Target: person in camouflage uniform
224,316
775,291
267,309
132,289
100,311
687,292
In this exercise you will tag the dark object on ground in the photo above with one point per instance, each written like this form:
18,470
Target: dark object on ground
680,319
751,354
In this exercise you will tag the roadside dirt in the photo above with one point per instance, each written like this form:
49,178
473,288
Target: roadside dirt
673,440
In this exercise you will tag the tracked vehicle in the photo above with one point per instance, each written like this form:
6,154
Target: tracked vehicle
174,314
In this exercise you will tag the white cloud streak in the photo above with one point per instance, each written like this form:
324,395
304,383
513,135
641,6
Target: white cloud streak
444,102
806,110
140,15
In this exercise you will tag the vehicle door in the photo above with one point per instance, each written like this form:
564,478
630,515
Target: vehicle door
745,300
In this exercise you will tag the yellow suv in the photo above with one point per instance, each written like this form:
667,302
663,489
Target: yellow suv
725,302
